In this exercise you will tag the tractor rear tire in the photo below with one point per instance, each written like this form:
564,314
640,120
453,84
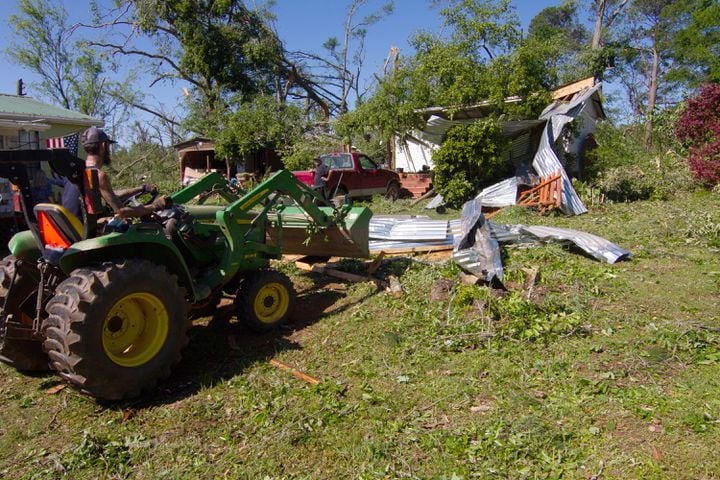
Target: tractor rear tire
265,300
26,354
117,328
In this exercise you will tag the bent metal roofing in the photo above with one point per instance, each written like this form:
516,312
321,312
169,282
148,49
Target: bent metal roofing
14,107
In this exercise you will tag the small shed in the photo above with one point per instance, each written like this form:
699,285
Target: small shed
197,158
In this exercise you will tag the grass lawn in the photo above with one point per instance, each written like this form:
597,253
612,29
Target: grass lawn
597,371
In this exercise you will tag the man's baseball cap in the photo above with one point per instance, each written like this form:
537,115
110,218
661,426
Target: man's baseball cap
95,135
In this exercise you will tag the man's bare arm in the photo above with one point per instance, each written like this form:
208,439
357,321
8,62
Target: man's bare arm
126,193
112,199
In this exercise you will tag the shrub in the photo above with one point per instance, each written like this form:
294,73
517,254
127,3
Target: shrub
471,157
626,183
624,171
699,130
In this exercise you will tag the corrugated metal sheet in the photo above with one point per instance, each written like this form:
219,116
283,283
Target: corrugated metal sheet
436,127
391,243
598,247
476,250
437,201
546,163
501,194
509,233
573,107
522,149
413,228
477,241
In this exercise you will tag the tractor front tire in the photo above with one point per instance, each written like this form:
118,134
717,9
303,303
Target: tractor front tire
265,300
115,329
23,354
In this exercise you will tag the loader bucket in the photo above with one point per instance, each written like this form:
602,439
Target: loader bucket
350,239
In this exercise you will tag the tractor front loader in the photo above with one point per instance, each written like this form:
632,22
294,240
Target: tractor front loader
108,304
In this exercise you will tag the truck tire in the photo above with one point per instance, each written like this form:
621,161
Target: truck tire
393,191
25,354
265,300
115,329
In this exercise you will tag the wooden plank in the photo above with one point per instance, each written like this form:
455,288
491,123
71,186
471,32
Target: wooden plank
573,88
408,250
375,264
558,199
295,372
423,197
396,289
350,277
306,267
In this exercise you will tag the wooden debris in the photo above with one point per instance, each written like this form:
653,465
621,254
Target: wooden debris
295,372
350,277
546,196
533,277
305,266
375,264
469,278
491,214
409,250
427,194
395,287
56,389
657,455
482,408
332,272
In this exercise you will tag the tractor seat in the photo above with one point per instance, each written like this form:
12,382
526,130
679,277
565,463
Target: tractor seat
59,228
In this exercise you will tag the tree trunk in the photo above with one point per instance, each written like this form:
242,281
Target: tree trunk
652,95
597,33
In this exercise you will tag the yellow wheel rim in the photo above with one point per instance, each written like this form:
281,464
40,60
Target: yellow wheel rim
271,302
135,329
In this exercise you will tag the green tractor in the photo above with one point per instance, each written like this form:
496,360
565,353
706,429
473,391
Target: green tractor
108,305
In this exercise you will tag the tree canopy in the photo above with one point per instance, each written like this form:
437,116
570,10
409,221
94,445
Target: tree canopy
245,86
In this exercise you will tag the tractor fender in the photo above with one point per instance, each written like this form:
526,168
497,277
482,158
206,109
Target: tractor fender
24,246
154,248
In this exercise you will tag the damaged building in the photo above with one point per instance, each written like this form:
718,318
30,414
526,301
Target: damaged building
558,141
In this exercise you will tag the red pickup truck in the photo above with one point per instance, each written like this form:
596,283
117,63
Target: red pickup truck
355,174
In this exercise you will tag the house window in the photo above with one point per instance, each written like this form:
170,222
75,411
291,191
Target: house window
20,140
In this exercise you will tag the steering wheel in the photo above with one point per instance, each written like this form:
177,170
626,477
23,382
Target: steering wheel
133,200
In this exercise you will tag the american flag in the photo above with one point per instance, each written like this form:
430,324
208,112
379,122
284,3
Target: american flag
69,141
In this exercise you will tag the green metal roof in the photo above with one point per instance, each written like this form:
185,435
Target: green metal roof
26,108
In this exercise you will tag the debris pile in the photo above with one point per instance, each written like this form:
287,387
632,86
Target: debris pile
475,240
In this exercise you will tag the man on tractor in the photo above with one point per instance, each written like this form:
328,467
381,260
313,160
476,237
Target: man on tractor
97,146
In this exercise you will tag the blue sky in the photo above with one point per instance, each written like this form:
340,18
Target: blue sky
302,24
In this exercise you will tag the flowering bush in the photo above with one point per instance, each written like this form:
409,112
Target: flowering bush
699,130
